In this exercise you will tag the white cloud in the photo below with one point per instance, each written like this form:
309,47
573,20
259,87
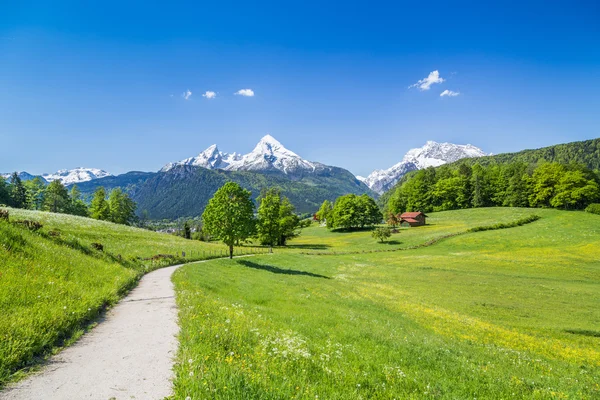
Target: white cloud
245,92
425,84
209,94
187,94
449,93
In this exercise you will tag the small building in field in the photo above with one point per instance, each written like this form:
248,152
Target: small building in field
412,219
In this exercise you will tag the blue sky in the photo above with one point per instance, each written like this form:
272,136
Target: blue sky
101,85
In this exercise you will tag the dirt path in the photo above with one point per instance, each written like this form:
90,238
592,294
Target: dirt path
129,355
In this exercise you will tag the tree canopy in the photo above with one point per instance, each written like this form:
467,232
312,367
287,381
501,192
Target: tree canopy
229,215
351,211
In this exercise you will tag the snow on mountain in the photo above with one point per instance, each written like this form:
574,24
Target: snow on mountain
76,175
433,154
268,155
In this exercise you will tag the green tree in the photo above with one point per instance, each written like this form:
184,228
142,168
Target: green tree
36,190
18,193
368,211
121,207
352,211
325,211
393,221
544,180
229,215
187,230
268,226
4,192
288,222
574,190
99,209
56,197
381,233
77,206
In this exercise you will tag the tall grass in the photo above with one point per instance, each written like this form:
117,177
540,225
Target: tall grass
509,313
54,281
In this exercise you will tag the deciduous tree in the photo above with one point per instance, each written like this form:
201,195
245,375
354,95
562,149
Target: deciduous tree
229,215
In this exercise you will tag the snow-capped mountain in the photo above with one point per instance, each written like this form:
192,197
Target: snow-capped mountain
268,155
76,175
432,154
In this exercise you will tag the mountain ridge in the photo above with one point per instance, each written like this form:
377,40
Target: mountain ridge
432,154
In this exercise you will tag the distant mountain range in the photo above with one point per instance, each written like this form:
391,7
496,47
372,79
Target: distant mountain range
183,188
433,154
66,176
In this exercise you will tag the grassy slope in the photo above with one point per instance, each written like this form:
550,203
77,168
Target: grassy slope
319,239
50,287
497,314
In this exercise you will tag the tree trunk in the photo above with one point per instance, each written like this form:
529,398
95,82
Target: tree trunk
231,252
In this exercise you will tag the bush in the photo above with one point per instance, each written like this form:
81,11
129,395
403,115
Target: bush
31,225
98,246
522,221
593,208
382,233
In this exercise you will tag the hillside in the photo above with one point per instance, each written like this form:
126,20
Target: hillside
53,282
585,152
184,190
564,176
496,314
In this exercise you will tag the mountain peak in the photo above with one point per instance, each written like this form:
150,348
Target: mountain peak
432,154
76,175
268,155
269,139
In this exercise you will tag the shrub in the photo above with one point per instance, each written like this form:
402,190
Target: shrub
31,225
522,221
593,208
98,246
382,233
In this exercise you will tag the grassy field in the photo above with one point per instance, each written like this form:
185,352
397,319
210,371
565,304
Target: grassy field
318,239
53,282
512,313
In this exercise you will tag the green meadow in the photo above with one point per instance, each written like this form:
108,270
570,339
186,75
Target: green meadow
53,282
511,313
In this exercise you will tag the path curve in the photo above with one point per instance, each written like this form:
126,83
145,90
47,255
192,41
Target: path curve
129,355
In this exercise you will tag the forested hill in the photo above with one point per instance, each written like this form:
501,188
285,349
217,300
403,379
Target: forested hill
586,153
565,176
184,191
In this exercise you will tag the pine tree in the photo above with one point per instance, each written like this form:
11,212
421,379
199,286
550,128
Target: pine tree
77,205
4,193
18,193
36,190
56,197
99,208
122,208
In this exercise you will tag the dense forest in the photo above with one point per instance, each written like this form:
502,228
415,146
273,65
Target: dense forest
513,184
586,153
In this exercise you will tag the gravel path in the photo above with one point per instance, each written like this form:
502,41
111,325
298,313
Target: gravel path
129,355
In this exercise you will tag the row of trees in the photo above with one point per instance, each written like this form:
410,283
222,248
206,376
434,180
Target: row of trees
514,184
35,194
118,208
350,212
229,217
